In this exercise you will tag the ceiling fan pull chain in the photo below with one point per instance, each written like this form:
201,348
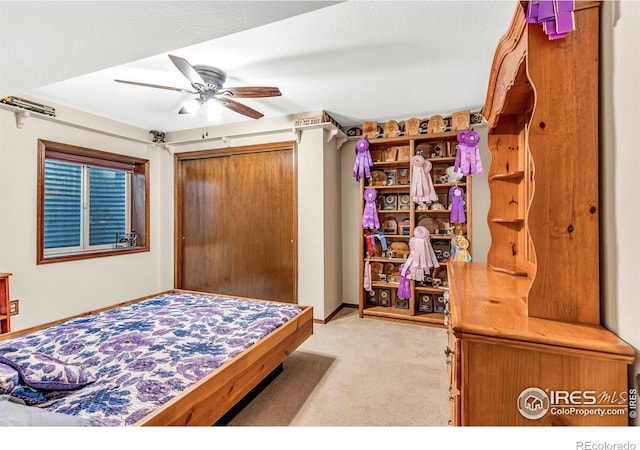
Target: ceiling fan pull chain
205,117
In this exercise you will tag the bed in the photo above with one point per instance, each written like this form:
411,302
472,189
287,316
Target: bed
175,358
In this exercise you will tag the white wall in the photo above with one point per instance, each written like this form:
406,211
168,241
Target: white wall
620,154
52,291
351,218
480,202
332,227
311,254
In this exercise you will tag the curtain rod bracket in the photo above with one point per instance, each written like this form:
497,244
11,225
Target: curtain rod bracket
21,116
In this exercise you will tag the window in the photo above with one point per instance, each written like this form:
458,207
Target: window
90,203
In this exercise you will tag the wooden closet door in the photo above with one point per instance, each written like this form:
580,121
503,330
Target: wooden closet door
204,194
239,225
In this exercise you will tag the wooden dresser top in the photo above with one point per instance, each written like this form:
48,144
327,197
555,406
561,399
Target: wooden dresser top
492,304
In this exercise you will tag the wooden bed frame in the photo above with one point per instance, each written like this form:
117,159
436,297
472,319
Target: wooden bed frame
206,401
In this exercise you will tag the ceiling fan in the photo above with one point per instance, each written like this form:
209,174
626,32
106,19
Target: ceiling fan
208,81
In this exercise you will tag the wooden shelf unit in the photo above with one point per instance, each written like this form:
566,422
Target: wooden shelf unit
5,307
417,309
529,318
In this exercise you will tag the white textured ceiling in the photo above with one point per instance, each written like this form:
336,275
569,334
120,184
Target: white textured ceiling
358,60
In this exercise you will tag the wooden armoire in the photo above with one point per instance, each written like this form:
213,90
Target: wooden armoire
526,346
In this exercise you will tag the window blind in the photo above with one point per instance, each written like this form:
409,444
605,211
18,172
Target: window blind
62,205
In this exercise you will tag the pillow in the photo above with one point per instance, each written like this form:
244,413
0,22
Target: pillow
10,385
8,378
41,371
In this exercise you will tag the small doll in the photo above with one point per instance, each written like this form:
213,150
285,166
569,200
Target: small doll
460,248
362,166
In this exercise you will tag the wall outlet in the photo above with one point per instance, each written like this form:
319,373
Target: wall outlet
14,307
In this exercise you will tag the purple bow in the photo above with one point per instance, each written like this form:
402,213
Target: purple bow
404,288
456,194
370,216
362,166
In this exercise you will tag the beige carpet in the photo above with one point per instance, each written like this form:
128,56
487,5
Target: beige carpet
358,372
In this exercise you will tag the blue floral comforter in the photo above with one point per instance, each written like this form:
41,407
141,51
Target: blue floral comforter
133,358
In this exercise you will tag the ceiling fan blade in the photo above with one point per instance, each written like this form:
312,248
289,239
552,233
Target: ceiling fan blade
252,91
157,86
187,70
240,108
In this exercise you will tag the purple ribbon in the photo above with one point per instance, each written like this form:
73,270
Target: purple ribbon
556,16
456,194
363,164
404,288
468,160
462,148
370,216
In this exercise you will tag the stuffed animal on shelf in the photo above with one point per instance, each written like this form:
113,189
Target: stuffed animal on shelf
363,164
468,160
370,216
421,256
422,190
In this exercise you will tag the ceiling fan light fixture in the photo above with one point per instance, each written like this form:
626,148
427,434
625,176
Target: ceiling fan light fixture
190,107
214,111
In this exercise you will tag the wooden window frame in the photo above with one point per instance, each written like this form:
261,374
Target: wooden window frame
139,197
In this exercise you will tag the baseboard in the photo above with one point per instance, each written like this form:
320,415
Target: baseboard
333,314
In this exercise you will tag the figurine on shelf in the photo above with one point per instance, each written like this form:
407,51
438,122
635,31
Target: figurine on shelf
460,248
421,256
468,160
422,190
370,217
363,164
456,194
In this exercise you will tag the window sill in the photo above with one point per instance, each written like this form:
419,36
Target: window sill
89,255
